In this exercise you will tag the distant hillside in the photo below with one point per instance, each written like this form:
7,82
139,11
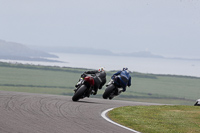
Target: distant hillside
16,51
97,51
92,51
75,50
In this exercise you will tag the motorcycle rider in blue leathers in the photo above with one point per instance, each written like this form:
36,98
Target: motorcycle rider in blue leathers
123,78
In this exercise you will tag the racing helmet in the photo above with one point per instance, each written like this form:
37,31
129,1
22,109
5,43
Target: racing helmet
101,69
124,69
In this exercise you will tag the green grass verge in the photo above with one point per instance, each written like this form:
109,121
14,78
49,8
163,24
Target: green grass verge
158,119
170,89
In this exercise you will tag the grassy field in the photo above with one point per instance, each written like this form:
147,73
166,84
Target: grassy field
169,89
158,119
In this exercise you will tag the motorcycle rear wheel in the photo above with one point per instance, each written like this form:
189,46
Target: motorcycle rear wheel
108,91
79,93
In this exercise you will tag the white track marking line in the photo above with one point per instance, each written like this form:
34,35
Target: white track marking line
103,114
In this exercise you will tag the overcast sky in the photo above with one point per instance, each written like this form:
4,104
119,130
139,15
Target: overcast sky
167,27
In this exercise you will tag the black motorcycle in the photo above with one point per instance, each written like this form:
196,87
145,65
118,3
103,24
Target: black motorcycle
112,89
84,88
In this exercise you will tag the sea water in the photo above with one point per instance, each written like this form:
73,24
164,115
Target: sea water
137,64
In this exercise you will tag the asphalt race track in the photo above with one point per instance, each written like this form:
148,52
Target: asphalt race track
40,113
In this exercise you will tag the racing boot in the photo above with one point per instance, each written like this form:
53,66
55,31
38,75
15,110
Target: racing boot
75,89
94,91
110,82
120,90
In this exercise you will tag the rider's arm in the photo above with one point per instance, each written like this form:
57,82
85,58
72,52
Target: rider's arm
90,72
117,73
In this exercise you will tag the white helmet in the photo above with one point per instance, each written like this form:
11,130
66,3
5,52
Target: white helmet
101,69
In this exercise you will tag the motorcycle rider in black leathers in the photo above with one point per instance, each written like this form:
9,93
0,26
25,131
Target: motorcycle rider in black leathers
99,77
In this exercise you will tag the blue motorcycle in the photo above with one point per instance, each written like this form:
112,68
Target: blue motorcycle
113,88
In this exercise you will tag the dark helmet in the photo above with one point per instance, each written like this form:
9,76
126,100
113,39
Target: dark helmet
124,69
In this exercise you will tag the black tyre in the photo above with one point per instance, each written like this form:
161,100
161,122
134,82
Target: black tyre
79,93
108,91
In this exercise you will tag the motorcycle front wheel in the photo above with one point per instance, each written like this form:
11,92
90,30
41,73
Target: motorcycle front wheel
108,91
79,93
